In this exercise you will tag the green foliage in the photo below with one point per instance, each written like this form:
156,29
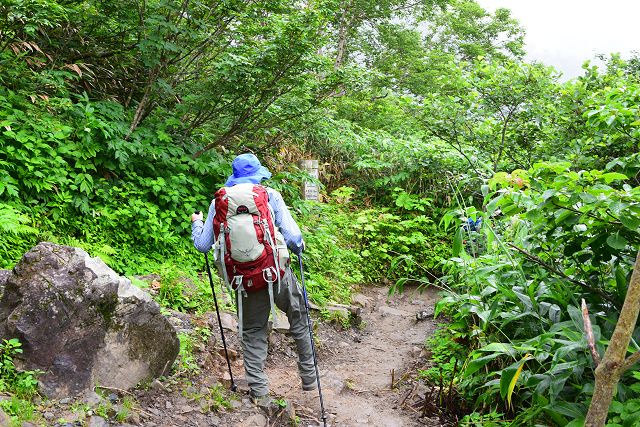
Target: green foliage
16,235
118,119
19,410
21,383
215,398
21,386
183,293
186,363
447,355
559,237
331,264
347,246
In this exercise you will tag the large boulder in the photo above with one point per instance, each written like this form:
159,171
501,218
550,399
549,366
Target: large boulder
83,325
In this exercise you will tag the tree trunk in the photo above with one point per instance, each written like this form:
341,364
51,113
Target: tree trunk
343,29
142,109
614,364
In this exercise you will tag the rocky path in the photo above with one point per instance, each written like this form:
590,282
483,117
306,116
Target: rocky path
357,368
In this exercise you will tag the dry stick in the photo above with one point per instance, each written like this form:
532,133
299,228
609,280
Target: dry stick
409,394
426,402
441,387
455,368
588,329
119,390
393,375
397,383
413,409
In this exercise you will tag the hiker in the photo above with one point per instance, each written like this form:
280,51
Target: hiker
254,305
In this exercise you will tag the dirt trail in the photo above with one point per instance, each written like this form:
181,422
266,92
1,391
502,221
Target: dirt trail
356,368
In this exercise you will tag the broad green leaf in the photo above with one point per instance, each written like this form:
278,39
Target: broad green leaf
569,409
609,177
457,242
621,283
631,222
509,378
616,241
500,348
578,422
616,407
474,365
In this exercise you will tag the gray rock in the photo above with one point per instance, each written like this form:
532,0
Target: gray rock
82,324
158,386
416,351
92,399
424,314
4,276
213,420
74,417
149,278
290,414
390,311
185,409
257,420
360,300
282,323
97,421
228,321
180,321
134,418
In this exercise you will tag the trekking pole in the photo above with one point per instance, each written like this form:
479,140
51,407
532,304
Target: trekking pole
313,345
224,343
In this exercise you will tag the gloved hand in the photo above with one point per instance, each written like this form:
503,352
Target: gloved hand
298,251
196,216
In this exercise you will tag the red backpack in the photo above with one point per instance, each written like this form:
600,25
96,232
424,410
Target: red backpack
246,237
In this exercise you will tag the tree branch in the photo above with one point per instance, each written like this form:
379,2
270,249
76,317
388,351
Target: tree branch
630,361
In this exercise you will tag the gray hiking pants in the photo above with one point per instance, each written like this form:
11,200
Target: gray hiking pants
288,297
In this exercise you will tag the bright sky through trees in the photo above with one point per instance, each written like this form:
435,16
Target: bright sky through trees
564,33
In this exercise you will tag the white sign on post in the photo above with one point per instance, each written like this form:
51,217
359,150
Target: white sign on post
311,190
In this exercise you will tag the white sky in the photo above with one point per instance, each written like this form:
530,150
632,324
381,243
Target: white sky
565,33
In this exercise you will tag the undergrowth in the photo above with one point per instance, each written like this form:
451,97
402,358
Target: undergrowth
20,386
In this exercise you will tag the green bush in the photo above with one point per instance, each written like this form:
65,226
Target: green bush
21,386
559,237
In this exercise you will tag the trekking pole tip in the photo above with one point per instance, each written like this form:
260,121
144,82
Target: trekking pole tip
234,387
